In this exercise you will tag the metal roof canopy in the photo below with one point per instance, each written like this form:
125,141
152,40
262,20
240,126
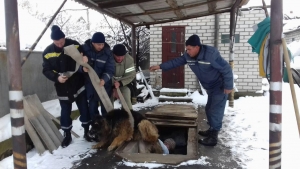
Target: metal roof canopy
149,12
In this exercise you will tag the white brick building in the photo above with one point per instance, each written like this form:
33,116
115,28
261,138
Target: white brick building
245,62
291,29
293,35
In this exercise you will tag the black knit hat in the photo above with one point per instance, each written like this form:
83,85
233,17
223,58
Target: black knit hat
56,33
193,40
119,50
98,37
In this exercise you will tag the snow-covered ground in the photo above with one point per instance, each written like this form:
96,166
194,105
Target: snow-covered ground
295,51
245,131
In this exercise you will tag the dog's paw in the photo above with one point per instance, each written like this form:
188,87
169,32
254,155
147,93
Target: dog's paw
128,139
110,148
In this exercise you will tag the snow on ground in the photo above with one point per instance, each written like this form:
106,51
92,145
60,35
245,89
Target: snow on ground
174,90
245,132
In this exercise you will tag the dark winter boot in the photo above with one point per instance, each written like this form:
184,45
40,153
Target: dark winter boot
67,139
86,135
205,133
211,140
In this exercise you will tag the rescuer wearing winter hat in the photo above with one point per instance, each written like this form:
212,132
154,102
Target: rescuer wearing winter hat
215,75
98,55
124,77
68,89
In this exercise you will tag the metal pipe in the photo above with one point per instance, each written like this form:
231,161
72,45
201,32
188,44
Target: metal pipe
231,48
15,84
275,84
265,8
254,8
133,45
217,20
43,32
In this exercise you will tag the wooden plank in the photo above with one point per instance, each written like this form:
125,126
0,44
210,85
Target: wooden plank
42,121
33,135
176,107
173,94
175,115
174,111
171,120
38,127
58,122
192,142
174,124
157,158
175,99
36,101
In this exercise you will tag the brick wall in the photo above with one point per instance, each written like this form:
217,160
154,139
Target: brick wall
246,62
292,36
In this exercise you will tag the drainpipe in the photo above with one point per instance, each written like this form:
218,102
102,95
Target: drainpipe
133,45
231,49
15,84
216,41
275,85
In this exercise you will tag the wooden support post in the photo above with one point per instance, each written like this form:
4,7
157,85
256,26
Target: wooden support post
275,85
15,84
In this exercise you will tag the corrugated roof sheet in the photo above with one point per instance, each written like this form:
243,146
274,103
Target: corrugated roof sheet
147,12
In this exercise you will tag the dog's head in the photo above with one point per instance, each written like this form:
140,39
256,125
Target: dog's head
100,127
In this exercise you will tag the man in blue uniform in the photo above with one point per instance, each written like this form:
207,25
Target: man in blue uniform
99,56
56,66
215,75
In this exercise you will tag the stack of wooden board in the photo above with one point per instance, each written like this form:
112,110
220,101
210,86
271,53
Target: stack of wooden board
174,95
39,125
174,115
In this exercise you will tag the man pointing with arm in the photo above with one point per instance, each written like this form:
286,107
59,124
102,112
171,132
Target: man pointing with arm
215,75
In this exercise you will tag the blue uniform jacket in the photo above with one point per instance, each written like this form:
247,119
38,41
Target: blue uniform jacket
213,72
103,64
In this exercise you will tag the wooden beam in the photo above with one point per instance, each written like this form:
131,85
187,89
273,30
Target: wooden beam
184,18
95,6
112,4
175,99
189,121
173,4
169,9
254,7
157,123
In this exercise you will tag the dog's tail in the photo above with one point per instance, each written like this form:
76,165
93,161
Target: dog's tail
148,131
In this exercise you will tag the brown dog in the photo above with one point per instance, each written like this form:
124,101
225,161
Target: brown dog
114,129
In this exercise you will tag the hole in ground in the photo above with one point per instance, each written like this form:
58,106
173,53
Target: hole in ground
176,133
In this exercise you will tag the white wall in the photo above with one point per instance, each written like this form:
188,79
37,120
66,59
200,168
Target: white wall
245,63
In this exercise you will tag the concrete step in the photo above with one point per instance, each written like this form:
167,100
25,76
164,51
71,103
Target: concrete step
174,99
